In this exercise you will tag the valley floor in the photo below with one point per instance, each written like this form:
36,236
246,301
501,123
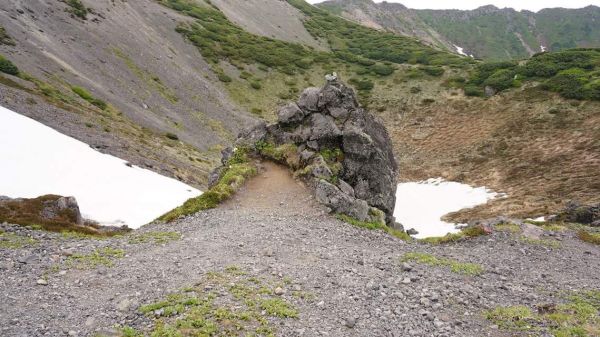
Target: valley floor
343,280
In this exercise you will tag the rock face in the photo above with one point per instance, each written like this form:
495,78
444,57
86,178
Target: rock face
584,214
344,151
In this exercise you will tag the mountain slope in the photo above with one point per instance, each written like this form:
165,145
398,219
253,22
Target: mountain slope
129,55
486,32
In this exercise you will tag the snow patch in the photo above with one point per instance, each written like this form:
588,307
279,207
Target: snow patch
543,48
460,50
38,160
421,205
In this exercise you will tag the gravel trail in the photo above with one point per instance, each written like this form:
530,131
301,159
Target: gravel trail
274,228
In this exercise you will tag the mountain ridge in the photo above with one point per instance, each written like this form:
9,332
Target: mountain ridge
486,32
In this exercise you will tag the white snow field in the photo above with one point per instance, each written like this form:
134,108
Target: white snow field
420,205
37,160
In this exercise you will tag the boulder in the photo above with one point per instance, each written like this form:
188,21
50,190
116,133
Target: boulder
290,113
345,151
578,213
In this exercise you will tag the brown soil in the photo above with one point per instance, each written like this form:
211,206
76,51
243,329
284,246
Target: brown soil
274,189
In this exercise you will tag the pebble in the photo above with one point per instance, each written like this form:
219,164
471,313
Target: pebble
279,291
350,322
42,282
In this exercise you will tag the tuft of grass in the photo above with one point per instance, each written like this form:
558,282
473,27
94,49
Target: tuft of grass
285,154
277,307
14,241
86,95
158,238
99,257
246,307
510,317
586,236
541,242
7,67
508,227
374,226
237,171
470,269
468,232
77,8
578,316
5,38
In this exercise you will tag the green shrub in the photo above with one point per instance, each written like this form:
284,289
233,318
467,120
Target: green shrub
7,67
5,38
433,71
362,85
256,85
77,9
224,78
382,69
569,83
473,90
501,79
86,95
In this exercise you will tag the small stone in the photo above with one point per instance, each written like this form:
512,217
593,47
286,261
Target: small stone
350,322
268,252
406,280
124,305
42,282
412,231
279,291
406,267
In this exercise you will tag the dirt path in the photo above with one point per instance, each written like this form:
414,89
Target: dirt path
272,230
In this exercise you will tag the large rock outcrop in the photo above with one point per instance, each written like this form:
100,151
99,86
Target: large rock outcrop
344,151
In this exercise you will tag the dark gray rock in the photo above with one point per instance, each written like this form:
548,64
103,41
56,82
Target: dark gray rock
584,214
331,196
309,99
356,150
290,113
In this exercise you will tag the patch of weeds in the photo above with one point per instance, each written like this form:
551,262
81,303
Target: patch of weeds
239,169
374,226
86,95
158,238
465,233
81,236
464,268
14,241
508,227
541,242
515,317
77,8
128,331
99,257
586,236
578,316
277,307
241,309
5,38
7,67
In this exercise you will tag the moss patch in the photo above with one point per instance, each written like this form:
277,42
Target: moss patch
470,269
245,306
86,95
469,232
154,237
578,316
99,257
239,169
14,241
374,226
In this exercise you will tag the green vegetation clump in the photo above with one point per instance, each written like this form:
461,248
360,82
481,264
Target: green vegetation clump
154,237
550,243
573,73
14,241
7,67
77,8
5,38
99,257
244,306
86,95
238,169
375,226
470,269
579,316
285,154
465,233
590,237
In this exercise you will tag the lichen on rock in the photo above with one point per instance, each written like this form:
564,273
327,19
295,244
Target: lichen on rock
342,150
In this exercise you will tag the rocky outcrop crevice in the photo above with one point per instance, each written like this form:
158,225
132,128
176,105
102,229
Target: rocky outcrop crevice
343,151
